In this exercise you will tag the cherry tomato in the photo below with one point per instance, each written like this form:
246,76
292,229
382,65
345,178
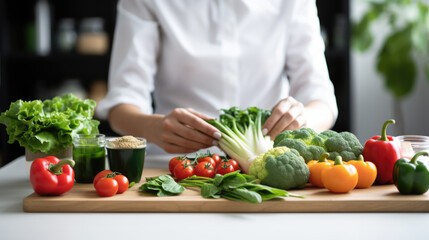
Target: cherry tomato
106,187
183,171
205,169
174,161
234,164
217,159
207,159
224,168
123,182
100,175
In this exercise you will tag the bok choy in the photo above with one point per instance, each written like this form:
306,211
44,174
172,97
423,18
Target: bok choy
242,137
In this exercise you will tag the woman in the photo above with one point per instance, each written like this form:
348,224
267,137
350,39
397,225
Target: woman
191,58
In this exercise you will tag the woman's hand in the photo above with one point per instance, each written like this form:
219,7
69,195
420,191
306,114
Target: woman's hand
184,130
288,114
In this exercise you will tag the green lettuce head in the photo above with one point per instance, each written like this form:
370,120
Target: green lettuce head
49,126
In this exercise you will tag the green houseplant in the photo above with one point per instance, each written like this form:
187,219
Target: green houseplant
405,48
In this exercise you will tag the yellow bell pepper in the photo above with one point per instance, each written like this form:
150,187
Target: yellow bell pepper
340,178
367,172
316,169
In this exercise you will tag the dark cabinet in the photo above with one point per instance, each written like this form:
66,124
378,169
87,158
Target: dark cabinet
335,24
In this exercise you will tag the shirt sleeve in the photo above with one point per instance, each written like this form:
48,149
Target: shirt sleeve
305,60
133,60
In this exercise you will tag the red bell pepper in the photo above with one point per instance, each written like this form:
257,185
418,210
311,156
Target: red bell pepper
50,176
383,151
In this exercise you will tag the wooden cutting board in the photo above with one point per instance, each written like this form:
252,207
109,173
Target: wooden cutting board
83,198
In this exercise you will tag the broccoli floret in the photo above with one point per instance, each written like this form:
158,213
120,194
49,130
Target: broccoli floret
319,141
346,144
281,136
304,134
357,150
347,156
333,155
298,145
329,133
315,151
355,145
257,168
311,145
336,144
280,167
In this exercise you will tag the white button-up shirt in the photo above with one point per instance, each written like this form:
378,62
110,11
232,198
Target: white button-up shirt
213,54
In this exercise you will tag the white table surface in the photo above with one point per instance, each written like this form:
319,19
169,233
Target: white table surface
16,224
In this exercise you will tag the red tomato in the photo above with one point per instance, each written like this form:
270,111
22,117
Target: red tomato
207,159
234,164
100,175
123,183
106,187
174,161
182,171
217,159
205,169
224,168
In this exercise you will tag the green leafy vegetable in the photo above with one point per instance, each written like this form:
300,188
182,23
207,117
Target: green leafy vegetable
49,126
242,194
235,186
242,137
162,186
210,191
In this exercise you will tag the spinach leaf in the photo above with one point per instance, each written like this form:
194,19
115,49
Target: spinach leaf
233,181
210,191
266,192
172,187
217,180
162,186
242,194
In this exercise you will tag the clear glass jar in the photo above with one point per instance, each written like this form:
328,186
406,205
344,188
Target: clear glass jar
412,144
89,154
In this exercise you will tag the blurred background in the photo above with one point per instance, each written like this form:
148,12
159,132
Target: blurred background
377,54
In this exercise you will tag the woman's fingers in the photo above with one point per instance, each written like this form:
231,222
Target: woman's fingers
286,115
195,121
178,130
185,144
184,130
276,114
198,114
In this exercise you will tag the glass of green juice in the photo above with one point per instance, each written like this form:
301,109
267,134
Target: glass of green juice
126,155
89,155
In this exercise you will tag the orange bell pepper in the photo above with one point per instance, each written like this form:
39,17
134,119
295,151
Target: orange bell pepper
367,172
340,178
316,169
315,161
